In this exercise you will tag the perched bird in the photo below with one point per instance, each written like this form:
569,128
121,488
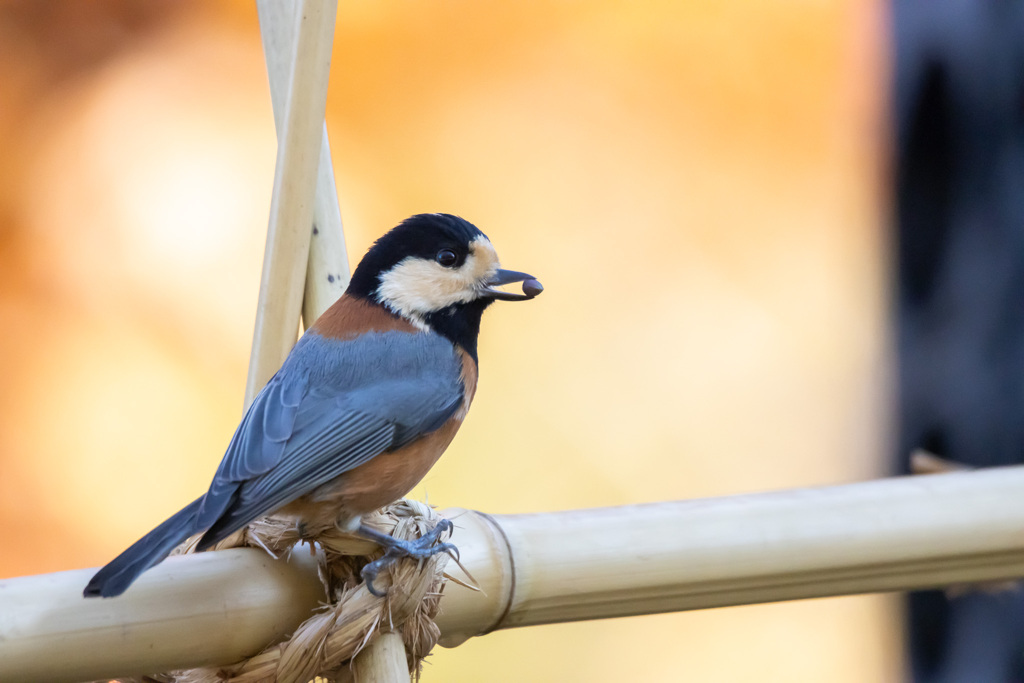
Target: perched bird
366,402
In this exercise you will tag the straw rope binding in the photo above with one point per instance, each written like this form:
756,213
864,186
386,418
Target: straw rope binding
323,646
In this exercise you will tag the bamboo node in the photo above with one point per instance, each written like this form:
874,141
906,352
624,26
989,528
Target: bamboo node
323,646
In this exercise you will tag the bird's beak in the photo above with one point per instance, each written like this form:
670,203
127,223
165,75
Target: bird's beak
531,287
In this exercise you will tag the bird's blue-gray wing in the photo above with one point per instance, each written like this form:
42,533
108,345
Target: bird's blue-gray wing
333,406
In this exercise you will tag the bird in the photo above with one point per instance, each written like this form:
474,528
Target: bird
365,403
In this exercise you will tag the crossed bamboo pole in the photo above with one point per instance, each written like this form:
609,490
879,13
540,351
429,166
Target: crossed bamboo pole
297,40
305,267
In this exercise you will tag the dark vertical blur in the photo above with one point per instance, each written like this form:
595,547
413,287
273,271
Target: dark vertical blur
959,94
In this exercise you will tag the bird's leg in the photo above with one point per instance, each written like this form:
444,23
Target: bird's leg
395,548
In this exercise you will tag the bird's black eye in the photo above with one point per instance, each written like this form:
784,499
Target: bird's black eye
447,258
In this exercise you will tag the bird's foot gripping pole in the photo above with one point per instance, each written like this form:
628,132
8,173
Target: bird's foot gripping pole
395,549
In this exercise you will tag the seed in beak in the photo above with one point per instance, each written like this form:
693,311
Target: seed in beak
532,288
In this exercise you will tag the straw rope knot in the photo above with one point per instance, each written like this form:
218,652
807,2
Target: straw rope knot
352,618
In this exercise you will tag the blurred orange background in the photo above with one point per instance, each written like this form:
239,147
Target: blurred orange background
698,185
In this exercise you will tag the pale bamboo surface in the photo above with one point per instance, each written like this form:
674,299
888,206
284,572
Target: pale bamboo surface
894,534
383,662
226,616
291,209
886,535
327,270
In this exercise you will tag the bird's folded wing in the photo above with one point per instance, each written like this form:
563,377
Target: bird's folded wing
303,430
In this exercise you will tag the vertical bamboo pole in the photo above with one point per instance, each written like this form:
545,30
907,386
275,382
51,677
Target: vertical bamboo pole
326,272
383,661
291,209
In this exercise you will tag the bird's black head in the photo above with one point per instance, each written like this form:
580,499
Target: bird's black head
438,271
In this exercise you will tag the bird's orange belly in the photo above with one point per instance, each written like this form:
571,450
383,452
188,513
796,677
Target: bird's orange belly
374,484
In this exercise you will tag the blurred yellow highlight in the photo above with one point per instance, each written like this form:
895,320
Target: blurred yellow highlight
697,185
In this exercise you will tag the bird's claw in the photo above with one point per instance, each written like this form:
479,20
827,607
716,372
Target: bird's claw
420,549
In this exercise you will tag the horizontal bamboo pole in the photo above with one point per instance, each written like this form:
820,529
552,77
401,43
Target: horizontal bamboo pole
886,535
189,611
213,608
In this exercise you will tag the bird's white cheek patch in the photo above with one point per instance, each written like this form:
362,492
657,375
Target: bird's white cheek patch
482,261
416,286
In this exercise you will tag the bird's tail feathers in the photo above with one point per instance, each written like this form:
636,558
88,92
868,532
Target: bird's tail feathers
151,549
